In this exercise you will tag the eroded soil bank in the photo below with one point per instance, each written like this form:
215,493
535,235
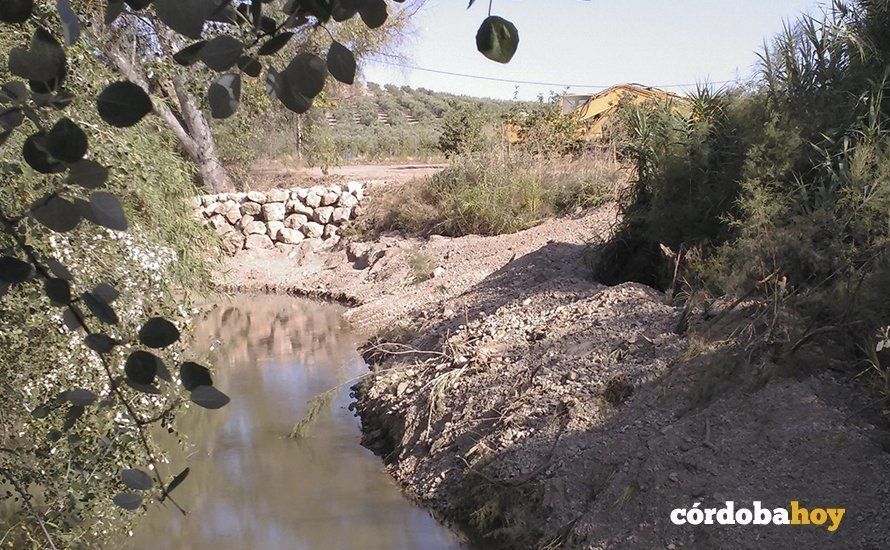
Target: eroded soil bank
540,409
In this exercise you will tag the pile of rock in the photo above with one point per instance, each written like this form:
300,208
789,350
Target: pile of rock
281,217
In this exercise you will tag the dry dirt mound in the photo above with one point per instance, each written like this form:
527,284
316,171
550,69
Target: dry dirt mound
539,409
577,418
394,279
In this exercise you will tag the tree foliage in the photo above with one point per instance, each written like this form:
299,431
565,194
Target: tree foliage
780,190
59,210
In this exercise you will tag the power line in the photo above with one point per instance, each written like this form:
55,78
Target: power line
533,82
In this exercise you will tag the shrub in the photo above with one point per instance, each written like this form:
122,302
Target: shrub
494,193
462,132
789,180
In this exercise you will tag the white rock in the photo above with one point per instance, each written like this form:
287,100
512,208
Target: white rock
250,208
277,195
256,196
233,242
211,209
233,213
218,221
312,230
297,207
330,230
290,236
438,272
323,214
347,200
255,228
330,197
255,242
245,221
355,187
341,215
295,221
273,211
313,199
272,229
300,193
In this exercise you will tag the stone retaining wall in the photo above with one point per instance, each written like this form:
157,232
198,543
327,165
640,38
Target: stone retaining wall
281,218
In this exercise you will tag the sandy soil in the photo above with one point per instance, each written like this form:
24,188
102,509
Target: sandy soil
537,408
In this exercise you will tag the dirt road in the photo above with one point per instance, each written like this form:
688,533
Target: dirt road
269,174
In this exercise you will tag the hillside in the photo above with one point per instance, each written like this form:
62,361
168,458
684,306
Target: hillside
386,123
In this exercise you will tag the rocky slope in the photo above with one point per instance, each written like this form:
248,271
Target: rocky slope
539,409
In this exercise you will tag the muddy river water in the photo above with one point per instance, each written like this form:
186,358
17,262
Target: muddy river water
251,487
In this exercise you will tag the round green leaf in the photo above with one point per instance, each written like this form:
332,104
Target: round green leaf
16,11
497,39
209,397
221,53
56,213
373,13
190,54
35,153
58,269
283,86
128,501
70,22
113,10
224,95
66,141
58,291
87,173
136,479
123,104
186,17
11,118
341,63
106,210
72,416
141,367
158,333
274,44
14,91
193,375
250,66
144,388
14,270
106,292
43,62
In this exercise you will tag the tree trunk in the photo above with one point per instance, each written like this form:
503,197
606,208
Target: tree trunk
187,122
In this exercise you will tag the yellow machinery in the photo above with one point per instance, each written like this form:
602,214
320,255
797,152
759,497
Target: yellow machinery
595,110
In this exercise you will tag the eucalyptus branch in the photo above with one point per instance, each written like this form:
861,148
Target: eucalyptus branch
26,500
11,230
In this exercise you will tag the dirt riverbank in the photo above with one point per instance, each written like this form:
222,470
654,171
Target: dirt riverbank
540,409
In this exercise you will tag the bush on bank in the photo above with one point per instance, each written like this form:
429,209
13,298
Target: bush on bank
780,189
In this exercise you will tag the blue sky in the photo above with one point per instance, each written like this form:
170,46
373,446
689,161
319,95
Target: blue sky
594,42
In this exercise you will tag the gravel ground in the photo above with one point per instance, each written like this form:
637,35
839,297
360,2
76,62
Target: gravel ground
536,408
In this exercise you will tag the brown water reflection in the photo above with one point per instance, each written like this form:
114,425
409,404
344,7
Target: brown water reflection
251,487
